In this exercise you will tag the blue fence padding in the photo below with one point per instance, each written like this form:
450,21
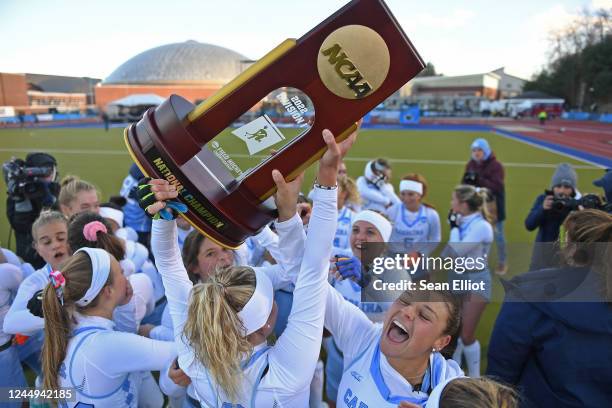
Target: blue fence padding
9,119
410,116
576,115
607,118
68,116
441,126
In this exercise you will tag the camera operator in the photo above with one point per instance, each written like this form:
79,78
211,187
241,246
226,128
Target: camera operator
31,186
548,213
484,170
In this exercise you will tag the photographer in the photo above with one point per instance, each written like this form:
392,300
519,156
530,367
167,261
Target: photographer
31,185
484,170
548,213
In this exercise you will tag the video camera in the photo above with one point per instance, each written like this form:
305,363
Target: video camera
28,179
470,178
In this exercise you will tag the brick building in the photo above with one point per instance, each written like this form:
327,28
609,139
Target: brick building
37,93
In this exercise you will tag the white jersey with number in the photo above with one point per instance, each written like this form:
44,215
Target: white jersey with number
418,231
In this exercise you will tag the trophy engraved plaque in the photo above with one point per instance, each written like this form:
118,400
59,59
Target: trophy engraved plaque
220,154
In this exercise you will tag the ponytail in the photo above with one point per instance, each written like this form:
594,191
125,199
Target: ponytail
214,330
104,239
476,199
59,315
70,187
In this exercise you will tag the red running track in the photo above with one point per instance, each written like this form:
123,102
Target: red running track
590,137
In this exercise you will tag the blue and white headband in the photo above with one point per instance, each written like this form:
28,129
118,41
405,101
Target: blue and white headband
100,266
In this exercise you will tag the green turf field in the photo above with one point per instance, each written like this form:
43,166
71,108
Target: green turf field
100,157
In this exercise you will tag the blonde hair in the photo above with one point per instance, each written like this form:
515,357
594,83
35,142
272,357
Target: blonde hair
349,186
47,217
476,199
71,186
59,318
589,234
480,392
213,328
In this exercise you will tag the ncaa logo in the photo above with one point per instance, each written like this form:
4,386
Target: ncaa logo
356,375
214,144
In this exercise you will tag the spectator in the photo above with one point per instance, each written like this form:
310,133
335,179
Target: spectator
558,352
548,219
542,116
484,170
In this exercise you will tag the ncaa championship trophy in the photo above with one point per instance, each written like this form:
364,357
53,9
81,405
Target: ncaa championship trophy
221,153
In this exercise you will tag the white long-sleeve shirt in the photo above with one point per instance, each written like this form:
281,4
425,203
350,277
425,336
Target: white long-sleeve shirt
106,367
375,198
10,279
19,319
292,360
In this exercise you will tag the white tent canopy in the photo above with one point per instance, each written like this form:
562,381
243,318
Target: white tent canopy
138,100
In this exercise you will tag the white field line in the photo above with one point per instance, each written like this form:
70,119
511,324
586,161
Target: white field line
348,159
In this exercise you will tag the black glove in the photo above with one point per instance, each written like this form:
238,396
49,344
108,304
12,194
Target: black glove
35,304
452,219
146,198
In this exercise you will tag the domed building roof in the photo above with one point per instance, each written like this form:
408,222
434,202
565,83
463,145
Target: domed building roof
187,62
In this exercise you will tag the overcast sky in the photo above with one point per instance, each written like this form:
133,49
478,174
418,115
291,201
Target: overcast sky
92,38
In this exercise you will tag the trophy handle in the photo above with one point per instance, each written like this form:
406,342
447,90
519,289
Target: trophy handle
243,77
291,176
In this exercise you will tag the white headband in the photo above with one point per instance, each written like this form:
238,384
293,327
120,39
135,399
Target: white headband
100,265
257,310
434,398
381,223
115,215
411,185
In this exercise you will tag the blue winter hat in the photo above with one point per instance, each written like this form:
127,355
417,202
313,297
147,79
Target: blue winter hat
483,145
